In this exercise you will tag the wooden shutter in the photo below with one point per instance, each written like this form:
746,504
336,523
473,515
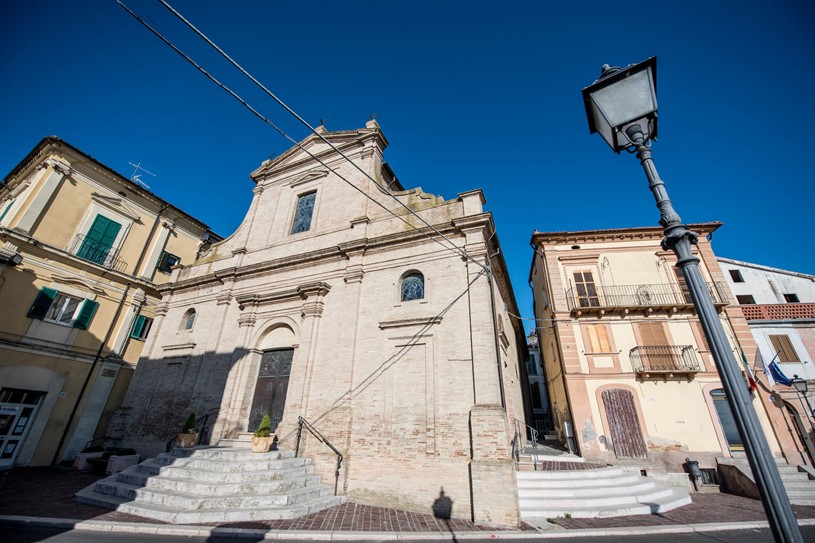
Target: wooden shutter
598,336
43,302
783,346
653,334
86,313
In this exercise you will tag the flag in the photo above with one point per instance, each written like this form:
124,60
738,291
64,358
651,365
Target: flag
778,375
761,366
751,379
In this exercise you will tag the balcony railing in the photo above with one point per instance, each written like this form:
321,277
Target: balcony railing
778,312
95,252
591,297
664,359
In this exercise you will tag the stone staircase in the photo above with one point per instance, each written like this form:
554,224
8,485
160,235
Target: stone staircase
214,484
798,482
590,491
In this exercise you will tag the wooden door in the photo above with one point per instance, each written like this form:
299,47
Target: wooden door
624,424
271,388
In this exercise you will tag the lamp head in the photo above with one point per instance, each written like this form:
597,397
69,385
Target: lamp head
621,98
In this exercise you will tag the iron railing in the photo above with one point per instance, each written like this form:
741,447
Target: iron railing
301,423
96,252
647,295
524,434
664,359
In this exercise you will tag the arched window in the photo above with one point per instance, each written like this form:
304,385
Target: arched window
188,320
413,287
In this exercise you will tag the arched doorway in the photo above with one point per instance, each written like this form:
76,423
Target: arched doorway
271,387
624,424
731,432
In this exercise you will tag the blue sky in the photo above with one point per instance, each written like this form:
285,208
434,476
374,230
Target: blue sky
470,94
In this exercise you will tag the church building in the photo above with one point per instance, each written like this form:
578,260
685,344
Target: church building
379,315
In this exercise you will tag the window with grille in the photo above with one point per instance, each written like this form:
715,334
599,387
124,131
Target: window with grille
303,212
413,287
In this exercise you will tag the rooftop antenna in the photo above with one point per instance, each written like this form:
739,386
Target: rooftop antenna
136,177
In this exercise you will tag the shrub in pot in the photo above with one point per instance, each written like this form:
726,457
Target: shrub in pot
264,438
189,433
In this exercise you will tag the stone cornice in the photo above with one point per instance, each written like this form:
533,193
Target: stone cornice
616,234
301,292
410,322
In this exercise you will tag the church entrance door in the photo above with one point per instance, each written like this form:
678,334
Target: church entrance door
271,387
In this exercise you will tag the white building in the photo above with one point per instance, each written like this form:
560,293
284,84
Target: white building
379,314
779,306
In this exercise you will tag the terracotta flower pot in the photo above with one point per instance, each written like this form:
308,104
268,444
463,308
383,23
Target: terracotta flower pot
186,440
262,444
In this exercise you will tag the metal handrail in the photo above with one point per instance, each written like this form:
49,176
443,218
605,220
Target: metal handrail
321,438
519,442
644,295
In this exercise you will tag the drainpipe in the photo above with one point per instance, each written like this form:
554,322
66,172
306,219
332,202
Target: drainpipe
90,373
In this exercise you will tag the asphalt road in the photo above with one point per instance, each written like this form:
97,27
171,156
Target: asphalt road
21,534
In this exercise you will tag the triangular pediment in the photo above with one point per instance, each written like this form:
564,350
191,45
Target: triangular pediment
345,141
117,204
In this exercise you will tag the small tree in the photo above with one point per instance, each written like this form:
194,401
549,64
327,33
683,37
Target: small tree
190,427
265,427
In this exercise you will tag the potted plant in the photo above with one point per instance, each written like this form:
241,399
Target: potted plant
264,438
189,433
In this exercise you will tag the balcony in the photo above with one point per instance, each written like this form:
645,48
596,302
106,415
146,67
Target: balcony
95,252
778,312
598,299
665,361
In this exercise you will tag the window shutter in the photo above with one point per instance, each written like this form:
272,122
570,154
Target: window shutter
138,327
44,300
86,314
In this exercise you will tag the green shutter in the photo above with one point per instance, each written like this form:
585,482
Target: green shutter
43,302
138,327
86,314
99,239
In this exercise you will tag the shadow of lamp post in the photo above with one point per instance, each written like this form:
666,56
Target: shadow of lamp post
622,107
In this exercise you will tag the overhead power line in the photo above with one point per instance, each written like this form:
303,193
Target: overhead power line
453,247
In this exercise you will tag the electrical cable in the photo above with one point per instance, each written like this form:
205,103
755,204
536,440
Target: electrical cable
312,129
452,247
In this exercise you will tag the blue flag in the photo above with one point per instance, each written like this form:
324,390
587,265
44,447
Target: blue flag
778,375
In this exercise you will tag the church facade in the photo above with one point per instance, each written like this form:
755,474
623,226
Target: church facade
379,315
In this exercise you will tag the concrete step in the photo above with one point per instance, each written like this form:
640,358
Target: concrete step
800,488
214,485
677,498
590,493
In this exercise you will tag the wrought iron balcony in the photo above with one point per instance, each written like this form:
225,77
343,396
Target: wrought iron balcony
591,298
778,312
664,360
95,252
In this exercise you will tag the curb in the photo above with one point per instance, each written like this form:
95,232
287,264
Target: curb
243,533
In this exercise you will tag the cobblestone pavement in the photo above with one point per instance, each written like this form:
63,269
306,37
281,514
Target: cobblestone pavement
48,492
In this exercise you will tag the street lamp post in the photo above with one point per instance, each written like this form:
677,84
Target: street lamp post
800,386
622,107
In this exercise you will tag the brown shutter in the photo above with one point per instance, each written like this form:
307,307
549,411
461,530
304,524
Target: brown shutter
783,346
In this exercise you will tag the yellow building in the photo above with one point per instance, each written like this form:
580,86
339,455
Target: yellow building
630,376
81,252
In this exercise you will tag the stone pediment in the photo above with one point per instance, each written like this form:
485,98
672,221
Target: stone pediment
315,145
117,204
